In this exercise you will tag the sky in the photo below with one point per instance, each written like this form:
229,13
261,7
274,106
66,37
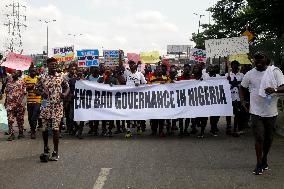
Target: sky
131,25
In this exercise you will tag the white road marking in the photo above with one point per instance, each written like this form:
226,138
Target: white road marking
100,182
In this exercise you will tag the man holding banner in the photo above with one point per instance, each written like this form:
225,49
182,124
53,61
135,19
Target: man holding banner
132,78
264,82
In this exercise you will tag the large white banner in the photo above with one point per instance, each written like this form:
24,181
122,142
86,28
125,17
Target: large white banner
185,99
226,46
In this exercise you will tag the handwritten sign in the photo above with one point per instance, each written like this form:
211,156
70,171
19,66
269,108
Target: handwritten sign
227,46
198,55
63,54
88,58
150,57
17,62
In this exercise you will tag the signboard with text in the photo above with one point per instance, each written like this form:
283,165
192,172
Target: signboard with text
88,58
63,54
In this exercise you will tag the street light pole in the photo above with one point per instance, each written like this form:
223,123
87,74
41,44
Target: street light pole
199,22
47,40
47,35
74,35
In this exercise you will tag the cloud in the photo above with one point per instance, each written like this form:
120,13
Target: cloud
109,3
135,31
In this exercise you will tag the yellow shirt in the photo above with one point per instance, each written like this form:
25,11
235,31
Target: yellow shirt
30,83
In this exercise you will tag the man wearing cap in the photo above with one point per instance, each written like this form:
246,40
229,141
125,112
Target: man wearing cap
264,83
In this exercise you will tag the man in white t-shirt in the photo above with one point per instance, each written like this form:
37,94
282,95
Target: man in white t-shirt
235,78
263,109
133,78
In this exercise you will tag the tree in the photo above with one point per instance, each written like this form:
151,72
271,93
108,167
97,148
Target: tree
264,18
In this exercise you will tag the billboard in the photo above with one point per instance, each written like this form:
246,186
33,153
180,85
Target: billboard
176,49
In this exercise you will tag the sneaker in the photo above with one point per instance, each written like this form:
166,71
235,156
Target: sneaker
63,127
11,138
214,133
201,135
44,157
128,134
21,135
264,164
54,156
258,170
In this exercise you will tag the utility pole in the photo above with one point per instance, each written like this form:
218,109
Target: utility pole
15,22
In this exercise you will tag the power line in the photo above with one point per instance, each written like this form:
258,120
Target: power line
15,22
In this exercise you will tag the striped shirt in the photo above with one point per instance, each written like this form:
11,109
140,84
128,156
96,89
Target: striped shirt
30,83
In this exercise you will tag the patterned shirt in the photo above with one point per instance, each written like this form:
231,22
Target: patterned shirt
52,87
15,93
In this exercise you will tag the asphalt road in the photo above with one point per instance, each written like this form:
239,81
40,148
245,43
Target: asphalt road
140,162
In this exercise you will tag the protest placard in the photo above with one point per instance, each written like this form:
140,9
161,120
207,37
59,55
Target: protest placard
111,57
88,58
241,58
150,57
198,55
134,57
17,62
184,99
226,46
63,54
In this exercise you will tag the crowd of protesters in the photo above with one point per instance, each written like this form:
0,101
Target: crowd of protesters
50,94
